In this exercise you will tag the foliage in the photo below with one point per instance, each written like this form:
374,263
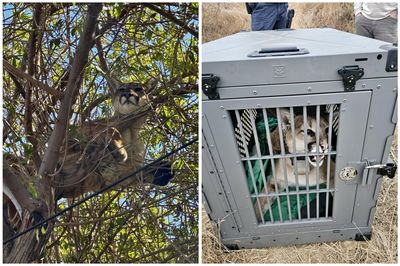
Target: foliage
146,224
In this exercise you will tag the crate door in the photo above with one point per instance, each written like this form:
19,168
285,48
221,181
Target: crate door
281,156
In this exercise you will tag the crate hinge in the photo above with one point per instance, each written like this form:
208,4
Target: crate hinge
350,75
209,86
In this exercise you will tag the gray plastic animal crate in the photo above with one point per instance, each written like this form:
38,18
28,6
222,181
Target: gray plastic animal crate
336,91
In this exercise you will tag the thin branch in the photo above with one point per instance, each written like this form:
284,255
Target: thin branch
21,74
172,18
169,248
92,105
19,89
32,44
100,53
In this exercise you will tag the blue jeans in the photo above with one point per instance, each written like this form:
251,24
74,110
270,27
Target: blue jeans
268,16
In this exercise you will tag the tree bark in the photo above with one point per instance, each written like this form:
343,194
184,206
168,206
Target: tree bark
26,248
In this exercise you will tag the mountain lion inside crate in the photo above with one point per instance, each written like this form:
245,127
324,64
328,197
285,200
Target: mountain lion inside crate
304,168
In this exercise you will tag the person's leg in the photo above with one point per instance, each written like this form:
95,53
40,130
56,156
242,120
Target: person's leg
264,16
282,16
386,30
364,26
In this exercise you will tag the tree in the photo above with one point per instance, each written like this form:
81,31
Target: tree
56,58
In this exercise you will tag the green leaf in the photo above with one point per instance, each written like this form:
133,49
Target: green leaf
149,34
73,130
32,190
120,221
43,230
28,149
74,30
117,10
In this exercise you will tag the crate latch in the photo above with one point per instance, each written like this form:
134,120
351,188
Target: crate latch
388,169
350,75
365,172
209,86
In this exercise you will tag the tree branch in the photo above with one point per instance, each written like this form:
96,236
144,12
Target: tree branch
21,74
80,60
32,44
13,182
100,53
92,105
171,17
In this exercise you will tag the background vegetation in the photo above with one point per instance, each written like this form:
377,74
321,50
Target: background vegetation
139,41
222,19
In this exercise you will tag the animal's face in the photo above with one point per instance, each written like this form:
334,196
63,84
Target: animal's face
128,98
309,133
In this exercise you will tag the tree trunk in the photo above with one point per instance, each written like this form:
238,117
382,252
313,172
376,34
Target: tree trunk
27,248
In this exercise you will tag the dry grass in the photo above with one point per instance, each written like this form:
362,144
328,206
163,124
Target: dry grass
222,19
316,15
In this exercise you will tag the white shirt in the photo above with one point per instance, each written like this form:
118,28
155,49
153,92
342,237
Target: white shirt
375,11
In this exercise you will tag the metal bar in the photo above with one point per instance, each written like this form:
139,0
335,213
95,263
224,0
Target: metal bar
305,125
301,192
249,163
295,161
268,133
297,223
328,174
278,114
251,158
318,156
253,125
266,191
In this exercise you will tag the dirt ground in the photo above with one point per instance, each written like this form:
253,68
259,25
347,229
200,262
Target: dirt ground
222,19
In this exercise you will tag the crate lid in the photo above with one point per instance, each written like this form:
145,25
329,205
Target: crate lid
288,56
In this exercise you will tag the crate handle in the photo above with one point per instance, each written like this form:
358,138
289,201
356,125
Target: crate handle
279,50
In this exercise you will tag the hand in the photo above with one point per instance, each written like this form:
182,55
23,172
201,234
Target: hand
163,174
393,14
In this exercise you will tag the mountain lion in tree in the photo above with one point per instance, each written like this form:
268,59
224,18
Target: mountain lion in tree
103,152
110,149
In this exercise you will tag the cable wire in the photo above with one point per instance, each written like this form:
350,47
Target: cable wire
100,191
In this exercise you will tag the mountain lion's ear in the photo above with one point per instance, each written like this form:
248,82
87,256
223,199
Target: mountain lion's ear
151,84
285,117
113,83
